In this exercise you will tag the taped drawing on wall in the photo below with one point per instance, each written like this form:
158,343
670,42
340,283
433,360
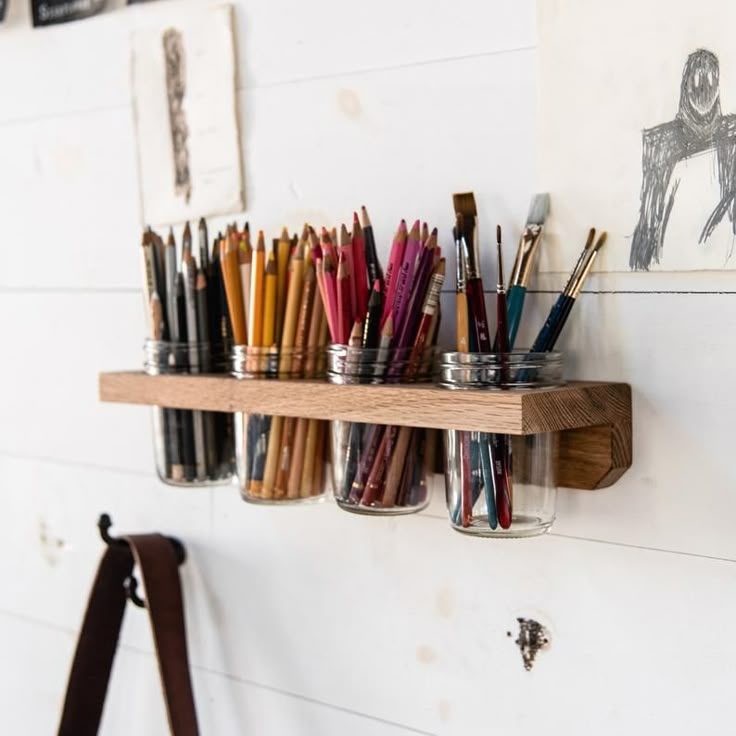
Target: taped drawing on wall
175,90
633,136
188,157
699,126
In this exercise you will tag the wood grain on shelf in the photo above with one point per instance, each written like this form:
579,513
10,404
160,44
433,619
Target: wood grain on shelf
594,419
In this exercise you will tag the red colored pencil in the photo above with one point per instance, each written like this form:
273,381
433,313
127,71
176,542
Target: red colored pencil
429,309
344,313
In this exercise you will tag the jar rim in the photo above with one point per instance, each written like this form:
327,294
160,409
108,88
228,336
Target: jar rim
516,355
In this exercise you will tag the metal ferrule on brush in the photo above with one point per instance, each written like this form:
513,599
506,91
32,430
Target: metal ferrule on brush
460,277
531,237
586,266
471,254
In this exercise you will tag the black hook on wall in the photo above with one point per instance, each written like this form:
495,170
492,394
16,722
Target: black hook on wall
131,584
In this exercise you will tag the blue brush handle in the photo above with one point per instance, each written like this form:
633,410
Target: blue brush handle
515,301
485,458
545,338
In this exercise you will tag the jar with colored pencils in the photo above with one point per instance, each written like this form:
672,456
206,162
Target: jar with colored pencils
378,469
192,448
280,460
500,485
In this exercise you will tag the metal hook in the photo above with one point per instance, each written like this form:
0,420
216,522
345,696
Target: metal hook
131,583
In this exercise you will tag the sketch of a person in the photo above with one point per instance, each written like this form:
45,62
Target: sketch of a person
698,127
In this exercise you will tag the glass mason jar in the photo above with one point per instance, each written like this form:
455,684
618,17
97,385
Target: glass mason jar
191,448
280,460
379,469
500,485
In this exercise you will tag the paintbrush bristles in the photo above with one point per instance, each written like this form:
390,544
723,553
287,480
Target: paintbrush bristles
585,268
464,203
538,209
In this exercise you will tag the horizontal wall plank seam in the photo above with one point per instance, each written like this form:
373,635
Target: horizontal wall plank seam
98,290
64,290
715,558
389,68
211,671
425,514
40,117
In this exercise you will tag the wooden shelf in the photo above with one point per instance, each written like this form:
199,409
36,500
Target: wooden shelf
594,419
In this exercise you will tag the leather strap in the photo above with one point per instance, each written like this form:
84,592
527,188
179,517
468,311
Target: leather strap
160,570
100,631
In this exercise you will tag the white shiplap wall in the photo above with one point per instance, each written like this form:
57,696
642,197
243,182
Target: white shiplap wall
311,621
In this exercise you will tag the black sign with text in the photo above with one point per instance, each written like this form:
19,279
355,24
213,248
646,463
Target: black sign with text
49,12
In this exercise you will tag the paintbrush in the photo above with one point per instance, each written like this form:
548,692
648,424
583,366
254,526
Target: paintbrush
560,311
465,205
531,237
499,443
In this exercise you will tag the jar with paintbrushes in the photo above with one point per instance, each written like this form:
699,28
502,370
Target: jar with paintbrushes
499,485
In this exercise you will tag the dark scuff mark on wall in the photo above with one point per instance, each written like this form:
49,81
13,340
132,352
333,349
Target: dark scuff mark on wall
533,637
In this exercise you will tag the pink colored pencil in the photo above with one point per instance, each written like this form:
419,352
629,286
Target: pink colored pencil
328,273
405,276
392,270
361,272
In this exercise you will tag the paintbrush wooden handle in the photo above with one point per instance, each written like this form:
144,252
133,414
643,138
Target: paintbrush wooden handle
477,314
501,478
462,324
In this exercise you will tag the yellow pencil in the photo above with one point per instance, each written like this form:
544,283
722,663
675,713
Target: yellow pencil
306,487
245,257
269,303
255,311
231,278
291,313
283,251
272,457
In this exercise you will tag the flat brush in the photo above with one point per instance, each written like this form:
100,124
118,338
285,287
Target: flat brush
531,237
465,206
462,324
